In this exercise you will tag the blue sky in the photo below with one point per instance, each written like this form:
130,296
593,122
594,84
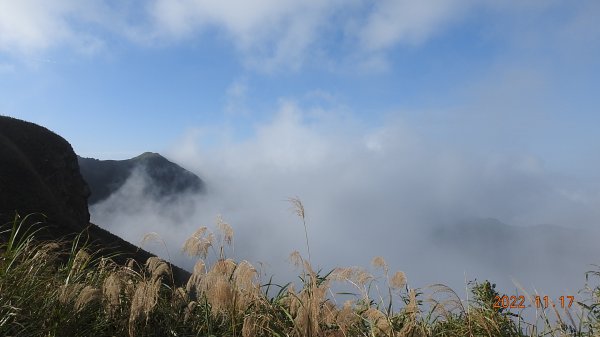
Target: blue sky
116,79
451,108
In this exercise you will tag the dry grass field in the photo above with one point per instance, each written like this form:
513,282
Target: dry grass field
59,288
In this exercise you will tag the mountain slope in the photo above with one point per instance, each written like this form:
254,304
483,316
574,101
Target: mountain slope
165,178
39,172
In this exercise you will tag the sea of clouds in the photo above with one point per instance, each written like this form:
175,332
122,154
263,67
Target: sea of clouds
367,191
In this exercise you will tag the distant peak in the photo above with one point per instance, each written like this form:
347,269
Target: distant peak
146,155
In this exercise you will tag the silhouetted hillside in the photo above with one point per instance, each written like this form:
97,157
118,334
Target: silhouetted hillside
165,178
39,172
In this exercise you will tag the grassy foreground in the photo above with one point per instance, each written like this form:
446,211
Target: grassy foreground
65,289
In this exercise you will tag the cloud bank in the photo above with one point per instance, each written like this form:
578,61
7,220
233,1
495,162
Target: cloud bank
367,192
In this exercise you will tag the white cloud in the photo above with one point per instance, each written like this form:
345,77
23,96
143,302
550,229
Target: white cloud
394,21
33,25
274,33
247,21
271,33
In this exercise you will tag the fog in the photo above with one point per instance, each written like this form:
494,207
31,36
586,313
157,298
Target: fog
380,190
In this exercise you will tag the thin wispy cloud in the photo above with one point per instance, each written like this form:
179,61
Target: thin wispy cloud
32,27
392,22
267,34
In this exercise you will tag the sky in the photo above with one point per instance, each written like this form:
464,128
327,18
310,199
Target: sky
385,117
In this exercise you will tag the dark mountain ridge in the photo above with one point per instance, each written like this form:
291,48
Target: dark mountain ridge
39,172
165,178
